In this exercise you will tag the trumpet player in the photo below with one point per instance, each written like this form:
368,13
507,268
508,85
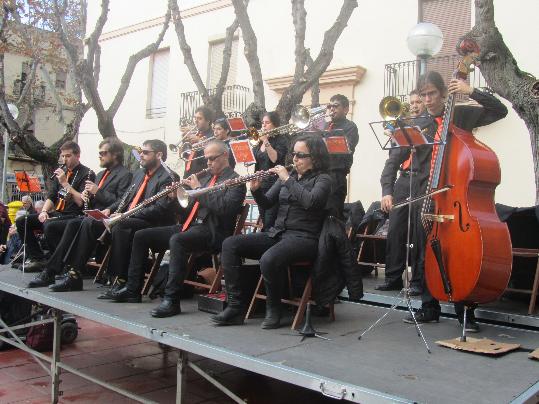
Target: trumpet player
195,161
109,185
211,219
340,164
64,202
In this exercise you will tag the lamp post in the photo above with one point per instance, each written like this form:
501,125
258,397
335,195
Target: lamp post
15,113
424,41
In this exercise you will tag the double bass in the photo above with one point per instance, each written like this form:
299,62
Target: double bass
468,255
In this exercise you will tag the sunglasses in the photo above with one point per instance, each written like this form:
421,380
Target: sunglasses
213,158
146,152
103,152
300,155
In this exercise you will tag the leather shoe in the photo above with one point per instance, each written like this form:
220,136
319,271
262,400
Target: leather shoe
424,316
71,283
44,278
33,265
229,316
107,294
125,295
471,325
415,290
167,308
273,317
394,285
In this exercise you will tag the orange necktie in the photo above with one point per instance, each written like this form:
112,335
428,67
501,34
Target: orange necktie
103,179
190,158
140,191
194,210
60,206
331,125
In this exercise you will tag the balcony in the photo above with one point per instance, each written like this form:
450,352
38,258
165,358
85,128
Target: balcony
400,78
236,98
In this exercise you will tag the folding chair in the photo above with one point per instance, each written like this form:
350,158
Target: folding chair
532,253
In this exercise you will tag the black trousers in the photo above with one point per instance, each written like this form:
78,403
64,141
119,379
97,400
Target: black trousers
90,230
275,255
335,203
397,234
52,229
181,245
69,239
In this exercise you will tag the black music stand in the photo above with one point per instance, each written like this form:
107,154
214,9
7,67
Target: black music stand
408,137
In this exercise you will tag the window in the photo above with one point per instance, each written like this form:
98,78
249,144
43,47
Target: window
61,78
215,63
157,105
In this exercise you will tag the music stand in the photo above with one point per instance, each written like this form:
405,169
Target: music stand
404,137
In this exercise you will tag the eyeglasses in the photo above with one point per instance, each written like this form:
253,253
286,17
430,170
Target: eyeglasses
333,105
213,158
103,152
146,152
300,155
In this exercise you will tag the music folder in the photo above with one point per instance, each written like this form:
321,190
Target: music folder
95,214
408,136
241,149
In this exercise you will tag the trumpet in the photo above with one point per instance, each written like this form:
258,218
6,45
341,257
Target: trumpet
195,147
176,147
111,222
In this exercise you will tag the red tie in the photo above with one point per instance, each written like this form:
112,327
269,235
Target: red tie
140,191
190,158
331,125
107,172
60,206
406,164
435,147
194,209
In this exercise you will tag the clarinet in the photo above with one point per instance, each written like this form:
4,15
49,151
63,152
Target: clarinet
121,205
87,195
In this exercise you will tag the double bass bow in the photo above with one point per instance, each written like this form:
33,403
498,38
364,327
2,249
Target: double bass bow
468,256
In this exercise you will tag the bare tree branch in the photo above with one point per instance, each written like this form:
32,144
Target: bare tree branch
315,89
501,71
130,68
299,15
97,64
250,42
94,37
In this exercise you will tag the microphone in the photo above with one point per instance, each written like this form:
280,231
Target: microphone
53,175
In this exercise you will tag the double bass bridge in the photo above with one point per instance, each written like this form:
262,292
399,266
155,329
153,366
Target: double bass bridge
439,218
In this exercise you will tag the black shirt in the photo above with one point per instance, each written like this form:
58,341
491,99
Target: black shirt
343,162
77,181
280,143
301,204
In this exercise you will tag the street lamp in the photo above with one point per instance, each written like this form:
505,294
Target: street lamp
424,40
14,111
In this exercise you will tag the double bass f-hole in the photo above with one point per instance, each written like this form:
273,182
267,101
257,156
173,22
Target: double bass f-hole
467,226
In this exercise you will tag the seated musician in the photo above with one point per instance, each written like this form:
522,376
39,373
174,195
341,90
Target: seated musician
212,218
270,152
110,184
433,91
147,181
64,202
203,119
302,196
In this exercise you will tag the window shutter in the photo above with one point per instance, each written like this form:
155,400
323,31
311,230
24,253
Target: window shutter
215,63
159,84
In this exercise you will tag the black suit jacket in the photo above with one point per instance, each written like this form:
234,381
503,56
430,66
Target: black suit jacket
115,185
77,181
159,213
218,210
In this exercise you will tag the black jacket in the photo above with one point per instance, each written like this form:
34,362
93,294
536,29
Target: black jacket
115,185
219,210
159,213
77,182
465,117
343,162
280,143
301,204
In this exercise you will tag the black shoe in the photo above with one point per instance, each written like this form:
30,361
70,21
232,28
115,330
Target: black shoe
320,311
471,325
33,265
415,290
44,278
71,283
125,295
424,316
390,285
273,317
107,294
229,316
167,308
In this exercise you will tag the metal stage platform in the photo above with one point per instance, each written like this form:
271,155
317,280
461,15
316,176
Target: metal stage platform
390,364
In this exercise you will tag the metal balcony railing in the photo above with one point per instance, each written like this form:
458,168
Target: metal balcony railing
400,78
236,98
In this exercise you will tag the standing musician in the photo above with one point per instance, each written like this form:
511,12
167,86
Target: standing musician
433,91
203,119
110,184
212,219
396,234
221,131
147,181
269,152
64,202
301,196
340,164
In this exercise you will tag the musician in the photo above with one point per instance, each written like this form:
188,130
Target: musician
64,202
301,196
340,164
203,120
270,152
150,179
212,219
110,184
398,219
221,131
433,92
